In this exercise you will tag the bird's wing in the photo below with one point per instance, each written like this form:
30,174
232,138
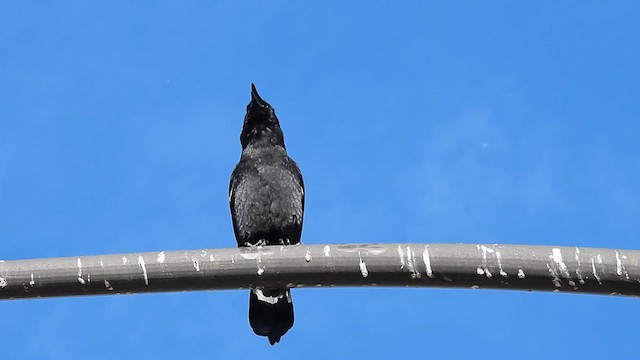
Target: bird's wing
298,186
240,189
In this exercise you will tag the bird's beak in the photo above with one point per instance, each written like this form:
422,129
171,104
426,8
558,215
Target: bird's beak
256,100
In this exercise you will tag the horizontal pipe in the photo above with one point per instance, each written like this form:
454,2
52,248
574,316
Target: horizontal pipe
513,267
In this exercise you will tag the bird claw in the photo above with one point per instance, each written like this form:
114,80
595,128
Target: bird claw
261,242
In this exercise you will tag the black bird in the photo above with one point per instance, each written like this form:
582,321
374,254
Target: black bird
266,196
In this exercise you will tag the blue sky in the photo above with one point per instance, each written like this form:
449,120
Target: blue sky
510,122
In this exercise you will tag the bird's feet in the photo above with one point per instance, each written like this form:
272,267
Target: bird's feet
261,242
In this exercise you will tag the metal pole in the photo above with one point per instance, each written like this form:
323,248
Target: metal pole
513,267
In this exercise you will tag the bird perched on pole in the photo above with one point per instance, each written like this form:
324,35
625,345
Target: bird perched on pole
266,196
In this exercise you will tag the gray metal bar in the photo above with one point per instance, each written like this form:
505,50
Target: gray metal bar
514,267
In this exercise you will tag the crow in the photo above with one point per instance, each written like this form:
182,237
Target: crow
266,196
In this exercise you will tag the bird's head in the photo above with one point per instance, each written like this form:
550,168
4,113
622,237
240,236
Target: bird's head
261,125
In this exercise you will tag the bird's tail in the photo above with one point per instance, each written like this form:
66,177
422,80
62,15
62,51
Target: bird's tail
270,312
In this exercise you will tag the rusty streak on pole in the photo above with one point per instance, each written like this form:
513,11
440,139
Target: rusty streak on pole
513,267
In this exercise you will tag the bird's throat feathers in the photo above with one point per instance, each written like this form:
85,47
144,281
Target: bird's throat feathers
260,135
